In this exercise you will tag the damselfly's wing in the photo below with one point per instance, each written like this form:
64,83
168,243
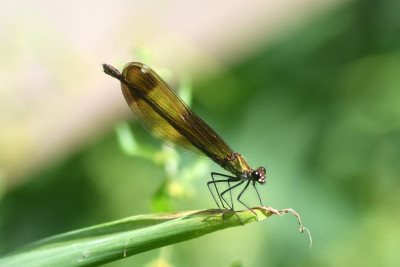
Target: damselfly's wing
160,110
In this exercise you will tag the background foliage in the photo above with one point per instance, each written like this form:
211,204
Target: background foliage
320,108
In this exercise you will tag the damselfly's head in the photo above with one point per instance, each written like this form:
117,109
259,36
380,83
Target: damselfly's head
259,175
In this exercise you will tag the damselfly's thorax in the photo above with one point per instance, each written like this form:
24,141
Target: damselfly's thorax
237,165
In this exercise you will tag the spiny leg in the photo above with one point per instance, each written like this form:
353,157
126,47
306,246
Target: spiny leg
212,194
216,188
240,195
258,194
214,182
230,193
229,189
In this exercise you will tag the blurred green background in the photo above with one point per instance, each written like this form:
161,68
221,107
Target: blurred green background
318,105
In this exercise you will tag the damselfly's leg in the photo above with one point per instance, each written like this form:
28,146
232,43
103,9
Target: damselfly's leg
215,185
240,195
254,185
230,189
215,200
219,181
230,193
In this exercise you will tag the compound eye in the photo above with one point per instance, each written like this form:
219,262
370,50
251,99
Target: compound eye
256,174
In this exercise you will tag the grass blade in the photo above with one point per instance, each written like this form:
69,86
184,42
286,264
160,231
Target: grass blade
126,237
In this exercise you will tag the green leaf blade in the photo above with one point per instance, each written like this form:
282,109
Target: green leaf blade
116,240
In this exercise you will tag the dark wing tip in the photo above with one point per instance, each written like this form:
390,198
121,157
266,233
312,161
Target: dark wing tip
110,70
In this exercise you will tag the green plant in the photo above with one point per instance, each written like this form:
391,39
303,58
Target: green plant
126,237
